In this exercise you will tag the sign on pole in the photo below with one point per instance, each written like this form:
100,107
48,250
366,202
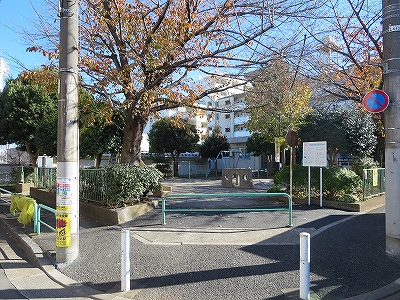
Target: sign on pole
376,101
314,154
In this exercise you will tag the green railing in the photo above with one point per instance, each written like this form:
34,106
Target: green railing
3,191
91,185
225,210
45,178
91,182
373,182
37,220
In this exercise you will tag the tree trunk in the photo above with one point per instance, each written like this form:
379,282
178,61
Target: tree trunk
133,131
32,155
98,160
175,160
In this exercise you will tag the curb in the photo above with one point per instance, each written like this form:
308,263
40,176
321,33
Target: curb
381,293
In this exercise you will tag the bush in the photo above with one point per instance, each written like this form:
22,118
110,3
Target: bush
126,184
335,181
348,198
339,181
364,163
275,189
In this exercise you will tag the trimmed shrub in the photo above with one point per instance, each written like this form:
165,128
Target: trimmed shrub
126,184
364,163
335,181
275,189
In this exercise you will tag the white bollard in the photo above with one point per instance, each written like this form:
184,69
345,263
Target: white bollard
125,260
304,265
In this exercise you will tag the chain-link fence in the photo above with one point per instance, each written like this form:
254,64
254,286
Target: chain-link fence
373,182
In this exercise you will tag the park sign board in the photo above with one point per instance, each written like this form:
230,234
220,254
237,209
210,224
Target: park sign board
314,154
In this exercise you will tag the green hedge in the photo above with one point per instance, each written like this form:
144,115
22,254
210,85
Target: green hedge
336,182
127,184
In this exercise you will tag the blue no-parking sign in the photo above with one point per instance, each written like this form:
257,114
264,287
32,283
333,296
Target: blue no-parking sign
376,101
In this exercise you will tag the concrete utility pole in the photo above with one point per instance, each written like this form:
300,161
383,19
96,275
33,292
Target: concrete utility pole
3,72
67,198
391,65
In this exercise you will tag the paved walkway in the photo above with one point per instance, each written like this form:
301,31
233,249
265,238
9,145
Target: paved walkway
227,256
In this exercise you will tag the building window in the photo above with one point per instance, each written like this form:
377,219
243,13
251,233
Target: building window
227,130
243,154
227,116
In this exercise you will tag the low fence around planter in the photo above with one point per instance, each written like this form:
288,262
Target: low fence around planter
373,183
91,182
93,189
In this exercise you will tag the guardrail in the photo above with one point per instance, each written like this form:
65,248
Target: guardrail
37,220
3,191
165,210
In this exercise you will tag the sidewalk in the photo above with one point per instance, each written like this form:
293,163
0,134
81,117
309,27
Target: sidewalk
229,256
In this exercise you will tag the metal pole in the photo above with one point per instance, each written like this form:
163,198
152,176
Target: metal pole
309,185
320,187
67,195
391,68
304,265
291,171
125,260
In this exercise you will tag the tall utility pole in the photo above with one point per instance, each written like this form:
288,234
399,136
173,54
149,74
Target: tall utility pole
391,66
67,198
3,71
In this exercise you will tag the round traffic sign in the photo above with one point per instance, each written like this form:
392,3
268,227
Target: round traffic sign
292,138
376,101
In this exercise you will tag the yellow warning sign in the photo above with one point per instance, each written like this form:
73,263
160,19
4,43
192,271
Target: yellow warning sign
63,207
63,230
375,177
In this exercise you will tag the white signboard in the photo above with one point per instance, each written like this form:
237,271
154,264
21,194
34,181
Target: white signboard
314,154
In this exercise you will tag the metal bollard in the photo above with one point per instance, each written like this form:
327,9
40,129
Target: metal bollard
125,260
304,265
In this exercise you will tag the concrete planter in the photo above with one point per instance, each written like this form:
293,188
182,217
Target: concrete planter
94,211
23,188
362,206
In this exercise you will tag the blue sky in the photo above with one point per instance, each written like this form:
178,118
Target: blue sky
14,16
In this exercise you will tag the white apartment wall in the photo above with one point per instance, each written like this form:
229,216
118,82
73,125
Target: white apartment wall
232,124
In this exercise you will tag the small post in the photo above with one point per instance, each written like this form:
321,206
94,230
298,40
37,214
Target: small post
125,260
36,217
39,220
304,265
163,211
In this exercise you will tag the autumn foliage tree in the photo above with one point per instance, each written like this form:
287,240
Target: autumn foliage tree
140,54
348,60
278,101
343,51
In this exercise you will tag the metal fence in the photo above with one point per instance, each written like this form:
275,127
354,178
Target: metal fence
45,178
91,182
373,182
92,187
